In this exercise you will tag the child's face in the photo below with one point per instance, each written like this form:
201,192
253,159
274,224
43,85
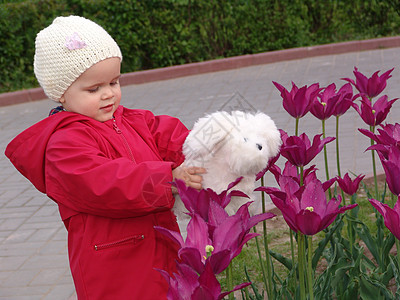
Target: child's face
96,93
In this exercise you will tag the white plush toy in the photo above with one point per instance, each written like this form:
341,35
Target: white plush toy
229,146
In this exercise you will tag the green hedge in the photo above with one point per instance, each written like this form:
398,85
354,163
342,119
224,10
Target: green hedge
160,33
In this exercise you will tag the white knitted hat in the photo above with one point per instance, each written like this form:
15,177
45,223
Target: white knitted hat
66,49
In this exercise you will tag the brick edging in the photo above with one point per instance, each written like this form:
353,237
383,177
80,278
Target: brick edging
222,64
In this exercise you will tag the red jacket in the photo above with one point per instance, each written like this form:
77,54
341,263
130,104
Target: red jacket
111,183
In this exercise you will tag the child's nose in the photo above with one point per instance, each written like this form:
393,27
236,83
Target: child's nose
107,93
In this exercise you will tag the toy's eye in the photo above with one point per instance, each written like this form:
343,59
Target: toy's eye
245,139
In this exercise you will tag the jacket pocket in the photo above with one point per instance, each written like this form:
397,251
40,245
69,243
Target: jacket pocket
132,240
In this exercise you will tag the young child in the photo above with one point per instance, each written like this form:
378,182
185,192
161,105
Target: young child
107,167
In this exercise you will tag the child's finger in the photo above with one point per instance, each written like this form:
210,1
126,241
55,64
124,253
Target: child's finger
195,185
196,170
196,178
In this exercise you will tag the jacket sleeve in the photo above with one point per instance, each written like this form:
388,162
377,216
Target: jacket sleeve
80,174
169,133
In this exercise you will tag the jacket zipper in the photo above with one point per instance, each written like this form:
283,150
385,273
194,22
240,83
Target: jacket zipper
126,241
127,147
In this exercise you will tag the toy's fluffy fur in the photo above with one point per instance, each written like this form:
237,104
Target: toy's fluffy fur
229,146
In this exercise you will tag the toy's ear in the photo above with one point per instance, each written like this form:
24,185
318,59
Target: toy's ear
207,135
270,133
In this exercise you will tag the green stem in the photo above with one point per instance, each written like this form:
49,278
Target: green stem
301,252
292,246
337,147
350,223
351,237
310,282
326,158
301,175
338,158
393,198
261,261
290,230
266,247
229,281
301,258
372,129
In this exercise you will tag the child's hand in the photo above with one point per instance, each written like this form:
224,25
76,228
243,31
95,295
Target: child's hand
190,175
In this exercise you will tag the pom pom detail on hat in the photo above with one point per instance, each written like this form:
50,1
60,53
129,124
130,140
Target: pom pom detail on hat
67,48
74,42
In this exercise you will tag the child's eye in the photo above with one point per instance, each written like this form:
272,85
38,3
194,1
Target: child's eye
93,90
114,82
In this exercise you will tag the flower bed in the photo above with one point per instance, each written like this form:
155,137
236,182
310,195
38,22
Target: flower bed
340,245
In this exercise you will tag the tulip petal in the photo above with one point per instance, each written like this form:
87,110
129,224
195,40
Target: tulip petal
210,284
173,235
392,222
390,216
220,260
216,214
189,280
236,288
308,222
192,257
197,234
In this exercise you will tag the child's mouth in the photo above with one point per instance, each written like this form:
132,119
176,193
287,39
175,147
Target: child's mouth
108,108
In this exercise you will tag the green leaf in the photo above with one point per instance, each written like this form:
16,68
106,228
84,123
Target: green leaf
372,289
369,241
255,290
322,244
396,274
282,259
388,244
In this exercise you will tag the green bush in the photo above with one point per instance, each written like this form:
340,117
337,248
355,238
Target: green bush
160,33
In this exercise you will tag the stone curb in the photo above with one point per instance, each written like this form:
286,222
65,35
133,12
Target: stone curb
222,64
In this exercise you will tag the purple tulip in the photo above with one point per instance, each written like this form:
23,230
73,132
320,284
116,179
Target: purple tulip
226,234
305,208
374,114
198,202
202,257
324,108
349,186
388,135
188,284
371,87
229,234
391,216
299,150
271,164
345,100
309,174
291,171
193,250
234,231
297,102
390,160
195,201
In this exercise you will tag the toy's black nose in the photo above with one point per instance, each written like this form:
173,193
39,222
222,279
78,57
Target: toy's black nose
259,146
